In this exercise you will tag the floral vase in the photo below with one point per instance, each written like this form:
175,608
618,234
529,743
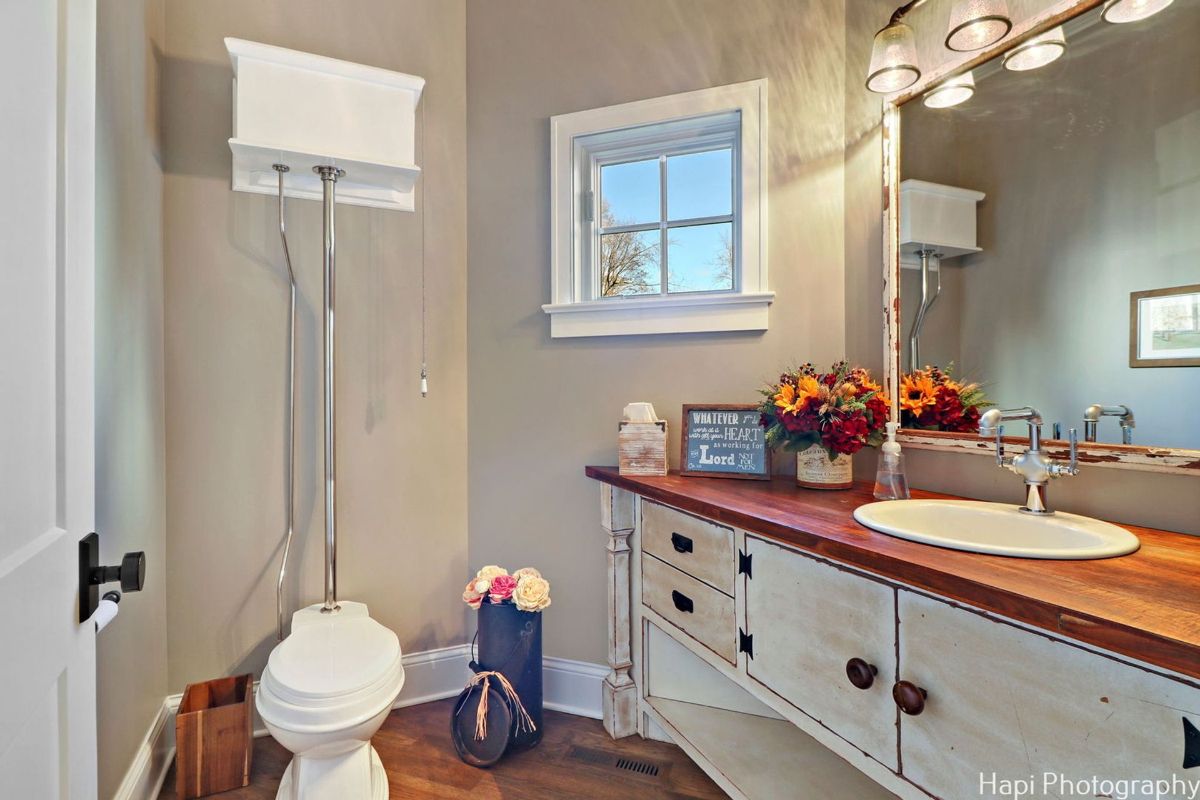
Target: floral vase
510,642
816,470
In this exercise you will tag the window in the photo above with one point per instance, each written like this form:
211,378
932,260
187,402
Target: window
658,215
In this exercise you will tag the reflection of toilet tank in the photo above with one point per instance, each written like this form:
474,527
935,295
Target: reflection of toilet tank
306,110
936,217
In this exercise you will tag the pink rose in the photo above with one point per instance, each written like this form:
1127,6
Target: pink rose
471,596
502,588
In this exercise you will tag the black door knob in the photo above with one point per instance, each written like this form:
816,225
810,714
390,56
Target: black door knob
861,674
131,573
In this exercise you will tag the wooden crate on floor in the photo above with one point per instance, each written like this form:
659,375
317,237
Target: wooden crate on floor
214,739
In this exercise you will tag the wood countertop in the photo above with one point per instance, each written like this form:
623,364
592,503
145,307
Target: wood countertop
1145,605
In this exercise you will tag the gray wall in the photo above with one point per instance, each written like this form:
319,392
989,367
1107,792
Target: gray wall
541,409
131,653
130,413
402,460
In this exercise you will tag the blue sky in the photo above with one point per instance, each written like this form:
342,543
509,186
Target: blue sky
698,185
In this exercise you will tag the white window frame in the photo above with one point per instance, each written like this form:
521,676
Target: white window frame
704,119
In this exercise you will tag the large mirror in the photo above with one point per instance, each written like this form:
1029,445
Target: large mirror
1049,230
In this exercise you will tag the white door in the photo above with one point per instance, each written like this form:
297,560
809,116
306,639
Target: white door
47,658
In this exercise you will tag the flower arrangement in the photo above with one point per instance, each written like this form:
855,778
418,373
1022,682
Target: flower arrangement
841,410
931,399
526,588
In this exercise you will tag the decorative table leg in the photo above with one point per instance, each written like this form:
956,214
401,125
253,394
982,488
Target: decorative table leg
620,692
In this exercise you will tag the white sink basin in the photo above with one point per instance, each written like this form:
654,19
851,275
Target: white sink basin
997,529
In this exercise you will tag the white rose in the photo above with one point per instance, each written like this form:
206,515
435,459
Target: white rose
532,593
482,585
523,571
489,572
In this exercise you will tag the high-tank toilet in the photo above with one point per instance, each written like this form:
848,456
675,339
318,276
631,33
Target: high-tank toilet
324,693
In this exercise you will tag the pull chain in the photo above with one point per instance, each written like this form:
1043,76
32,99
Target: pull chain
424,366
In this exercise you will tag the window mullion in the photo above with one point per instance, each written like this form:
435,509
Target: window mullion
664,269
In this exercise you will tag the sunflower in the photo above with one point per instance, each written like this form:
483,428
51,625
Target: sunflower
917,392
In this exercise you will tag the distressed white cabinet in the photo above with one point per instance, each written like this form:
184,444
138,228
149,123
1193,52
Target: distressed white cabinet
809,619
736,646
1006,703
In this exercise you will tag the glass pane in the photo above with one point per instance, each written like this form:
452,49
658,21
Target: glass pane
700,185
629,193
630,264
700,258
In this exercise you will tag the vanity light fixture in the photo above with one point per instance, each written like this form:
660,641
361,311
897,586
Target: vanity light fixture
975,24
1121,11
958,89
894,55
1036,52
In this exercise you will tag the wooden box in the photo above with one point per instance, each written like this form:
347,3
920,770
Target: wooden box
213,737
642,448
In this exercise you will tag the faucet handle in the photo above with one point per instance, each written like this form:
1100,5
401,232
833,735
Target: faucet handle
1072,466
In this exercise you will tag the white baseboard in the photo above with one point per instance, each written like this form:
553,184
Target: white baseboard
573,687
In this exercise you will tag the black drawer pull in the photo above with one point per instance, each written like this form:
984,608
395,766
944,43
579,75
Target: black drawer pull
682,544
682,601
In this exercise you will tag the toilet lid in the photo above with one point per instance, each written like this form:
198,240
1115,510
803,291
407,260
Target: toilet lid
333,658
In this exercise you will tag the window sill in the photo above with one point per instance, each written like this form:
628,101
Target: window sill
698,313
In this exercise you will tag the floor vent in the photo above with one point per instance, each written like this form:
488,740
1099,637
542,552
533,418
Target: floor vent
608,760
640,767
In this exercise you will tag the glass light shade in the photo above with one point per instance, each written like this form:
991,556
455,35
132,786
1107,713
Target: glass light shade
954,91
974,24
1036,52
1121,11
893,60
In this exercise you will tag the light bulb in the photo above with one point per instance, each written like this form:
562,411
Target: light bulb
1121,11
957,90
893,60
974,24
1036,52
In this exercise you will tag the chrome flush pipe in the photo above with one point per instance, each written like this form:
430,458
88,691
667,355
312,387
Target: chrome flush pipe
1091,421
329,176
914,339
280,169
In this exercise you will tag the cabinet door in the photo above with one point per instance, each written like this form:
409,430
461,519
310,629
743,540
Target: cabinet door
1007,704
808,619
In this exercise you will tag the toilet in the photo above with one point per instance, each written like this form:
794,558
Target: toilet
324,693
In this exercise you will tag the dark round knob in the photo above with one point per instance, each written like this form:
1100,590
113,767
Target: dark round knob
133,572
860,673
909,697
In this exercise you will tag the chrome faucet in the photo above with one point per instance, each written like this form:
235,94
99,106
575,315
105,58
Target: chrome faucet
1091,421
1033,465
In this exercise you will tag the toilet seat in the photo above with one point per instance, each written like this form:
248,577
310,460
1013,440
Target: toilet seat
331,673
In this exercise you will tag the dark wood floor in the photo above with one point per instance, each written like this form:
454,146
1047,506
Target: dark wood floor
575,759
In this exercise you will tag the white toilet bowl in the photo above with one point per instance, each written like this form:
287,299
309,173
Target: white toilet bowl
326,690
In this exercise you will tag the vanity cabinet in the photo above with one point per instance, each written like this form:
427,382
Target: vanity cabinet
811,619
785,672
1006,701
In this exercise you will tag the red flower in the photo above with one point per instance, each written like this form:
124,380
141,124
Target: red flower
502,588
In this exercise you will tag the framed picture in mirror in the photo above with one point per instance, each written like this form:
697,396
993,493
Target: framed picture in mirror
1164,327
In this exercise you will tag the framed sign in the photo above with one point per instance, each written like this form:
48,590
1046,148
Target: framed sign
724,441
1164,327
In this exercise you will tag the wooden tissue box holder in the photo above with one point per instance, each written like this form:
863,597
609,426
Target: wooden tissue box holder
642,448
214,737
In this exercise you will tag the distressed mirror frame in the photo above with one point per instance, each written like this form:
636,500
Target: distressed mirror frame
1173,460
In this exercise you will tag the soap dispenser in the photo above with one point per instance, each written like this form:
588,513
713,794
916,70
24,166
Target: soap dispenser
890,482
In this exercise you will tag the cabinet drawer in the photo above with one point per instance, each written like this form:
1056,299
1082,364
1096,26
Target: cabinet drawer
1007,702
691,605
809,619
700,548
